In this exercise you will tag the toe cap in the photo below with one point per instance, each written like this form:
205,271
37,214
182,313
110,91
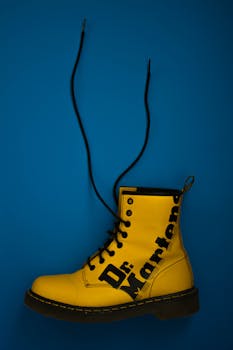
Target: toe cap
55,287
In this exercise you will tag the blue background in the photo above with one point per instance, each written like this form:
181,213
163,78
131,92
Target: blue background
50,218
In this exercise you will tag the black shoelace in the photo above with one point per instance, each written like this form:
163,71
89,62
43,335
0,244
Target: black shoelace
114,233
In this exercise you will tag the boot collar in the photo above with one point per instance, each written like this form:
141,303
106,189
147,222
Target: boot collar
149,191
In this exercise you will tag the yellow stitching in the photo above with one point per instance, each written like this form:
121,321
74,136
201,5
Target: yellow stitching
115,308
55,304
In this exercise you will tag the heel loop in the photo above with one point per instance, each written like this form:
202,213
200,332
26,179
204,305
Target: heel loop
189,181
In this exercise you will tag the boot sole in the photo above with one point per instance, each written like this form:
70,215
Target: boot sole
164,307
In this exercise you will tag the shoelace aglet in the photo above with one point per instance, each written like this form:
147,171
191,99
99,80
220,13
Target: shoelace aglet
84,24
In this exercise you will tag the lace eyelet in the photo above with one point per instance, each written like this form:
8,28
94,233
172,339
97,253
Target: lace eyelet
124,234
127,223
129,212
92,267
111,253
130,201
102,261
119,245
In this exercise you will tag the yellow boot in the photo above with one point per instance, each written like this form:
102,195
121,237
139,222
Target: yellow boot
142,268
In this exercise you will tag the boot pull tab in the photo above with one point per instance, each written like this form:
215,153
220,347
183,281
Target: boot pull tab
188,184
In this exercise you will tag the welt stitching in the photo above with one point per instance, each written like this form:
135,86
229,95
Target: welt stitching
109,309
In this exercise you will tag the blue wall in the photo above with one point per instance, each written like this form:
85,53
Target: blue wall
50,218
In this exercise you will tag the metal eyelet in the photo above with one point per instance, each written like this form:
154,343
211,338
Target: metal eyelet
124,234
130,201
127,223
119,245
129,212
92,267
111,253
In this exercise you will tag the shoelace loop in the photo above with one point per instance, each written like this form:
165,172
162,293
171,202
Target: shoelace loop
114,235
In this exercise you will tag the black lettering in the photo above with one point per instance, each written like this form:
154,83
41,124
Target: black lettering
162,242
174,214
135,285
169,231
125,268
176,199
146,270
155,257
110,270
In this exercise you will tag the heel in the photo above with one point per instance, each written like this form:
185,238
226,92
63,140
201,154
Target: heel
178,305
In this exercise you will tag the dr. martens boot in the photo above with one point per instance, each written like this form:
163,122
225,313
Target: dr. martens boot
142,268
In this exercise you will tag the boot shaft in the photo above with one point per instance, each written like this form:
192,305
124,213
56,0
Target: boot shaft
148,242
